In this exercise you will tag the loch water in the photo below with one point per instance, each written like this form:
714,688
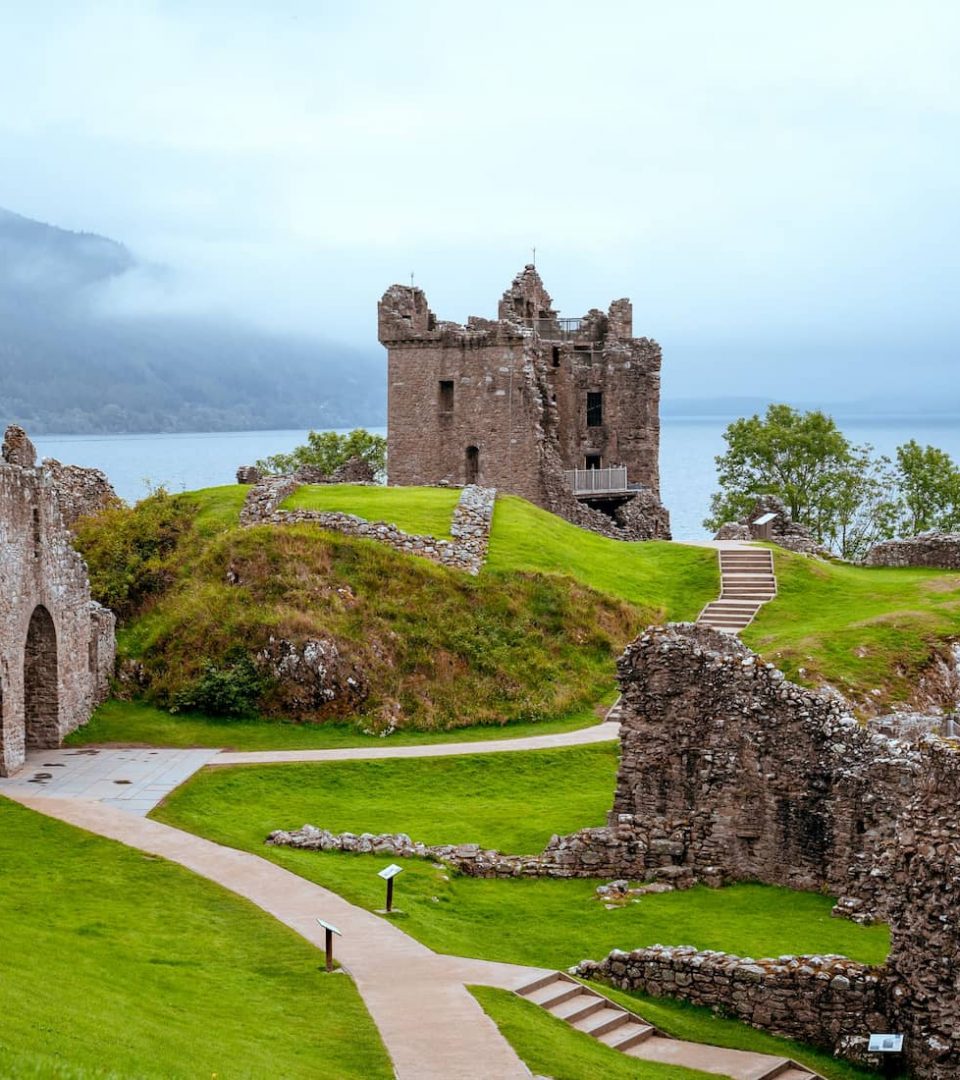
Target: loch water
689,444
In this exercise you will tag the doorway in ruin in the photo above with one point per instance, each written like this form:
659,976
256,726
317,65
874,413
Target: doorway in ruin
473,464
41,705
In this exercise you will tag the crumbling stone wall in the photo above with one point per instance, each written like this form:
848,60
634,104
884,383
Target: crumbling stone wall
469,527
782,530
80,491
56,644
503,403
826,1001
934,549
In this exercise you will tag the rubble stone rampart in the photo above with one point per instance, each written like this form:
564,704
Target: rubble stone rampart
469,528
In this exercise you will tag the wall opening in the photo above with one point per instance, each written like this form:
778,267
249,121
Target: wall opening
446,395
556,356
594,461
473,464
37,536
41,705
594,408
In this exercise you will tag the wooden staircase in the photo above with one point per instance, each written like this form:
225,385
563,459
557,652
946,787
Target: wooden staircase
747,581
591,1013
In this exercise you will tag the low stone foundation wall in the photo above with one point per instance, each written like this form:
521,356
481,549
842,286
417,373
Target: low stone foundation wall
594,853
938,550
469,528
827,1001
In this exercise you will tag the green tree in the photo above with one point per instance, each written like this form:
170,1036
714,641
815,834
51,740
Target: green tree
929,483
327,450
841,492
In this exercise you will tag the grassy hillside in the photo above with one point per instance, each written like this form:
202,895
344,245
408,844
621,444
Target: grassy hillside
116,963
423,510
859,629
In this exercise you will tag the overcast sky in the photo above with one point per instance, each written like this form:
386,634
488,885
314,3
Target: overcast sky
774,184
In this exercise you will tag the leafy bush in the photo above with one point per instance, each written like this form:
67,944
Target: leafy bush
230,689
327,451
129,550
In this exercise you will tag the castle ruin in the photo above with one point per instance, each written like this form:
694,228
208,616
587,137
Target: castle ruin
56,643
563,412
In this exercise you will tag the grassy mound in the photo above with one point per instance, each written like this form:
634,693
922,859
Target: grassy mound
119,964
425,511
871,633
413,645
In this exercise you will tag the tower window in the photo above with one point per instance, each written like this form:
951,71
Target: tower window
556,356
594,409
446,395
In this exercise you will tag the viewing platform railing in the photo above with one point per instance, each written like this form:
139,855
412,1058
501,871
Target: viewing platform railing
609,481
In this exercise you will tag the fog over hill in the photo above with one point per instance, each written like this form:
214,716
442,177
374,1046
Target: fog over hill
76,358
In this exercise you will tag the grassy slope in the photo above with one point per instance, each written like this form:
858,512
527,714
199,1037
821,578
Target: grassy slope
674,580
114,962
423,510
550,1047
857,628
513,802
134,723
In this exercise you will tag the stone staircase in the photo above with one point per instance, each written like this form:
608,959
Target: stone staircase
747,581
591,1013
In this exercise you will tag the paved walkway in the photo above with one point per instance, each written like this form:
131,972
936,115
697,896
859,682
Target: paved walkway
432,1026
131,780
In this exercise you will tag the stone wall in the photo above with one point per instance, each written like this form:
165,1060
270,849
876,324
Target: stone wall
935,549
782,530
826,1001
503,403
80,491
56,645
469,527
726,763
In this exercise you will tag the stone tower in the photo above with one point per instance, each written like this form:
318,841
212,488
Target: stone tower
564,412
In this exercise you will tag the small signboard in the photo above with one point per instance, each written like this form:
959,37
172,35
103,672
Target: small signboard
764,519
885,1044
329,928
390,871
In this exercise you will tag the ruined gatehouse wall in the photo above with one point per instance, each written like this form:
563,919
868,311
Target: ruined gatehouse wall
56,644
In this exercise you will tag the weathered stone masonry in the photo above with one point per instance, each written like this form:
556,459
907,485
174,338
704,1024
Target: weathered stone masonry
935,549
513,403
469,526
56,644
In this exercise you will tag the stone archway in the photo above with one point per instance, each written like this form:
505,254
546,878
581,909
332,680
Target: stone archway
41,693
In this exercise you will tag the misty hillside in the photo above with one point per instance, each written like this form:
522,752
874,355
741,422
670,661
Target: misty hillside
69,366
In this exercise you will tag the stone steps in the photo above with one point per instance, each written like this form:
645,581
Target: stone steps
592,1014
747,581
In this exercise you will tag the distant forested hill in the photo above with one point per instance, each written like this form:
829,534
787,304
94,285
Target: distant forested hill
67,366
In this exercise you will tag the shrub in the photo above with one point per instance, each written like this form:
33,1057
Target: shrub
231,689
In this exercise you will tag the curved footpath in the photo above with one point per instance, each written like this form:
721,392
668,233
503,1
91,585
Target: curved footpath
432,1026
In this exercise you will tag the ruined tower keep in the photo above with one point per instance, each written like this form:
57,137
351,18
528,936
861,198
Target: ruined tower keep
56,644
564,412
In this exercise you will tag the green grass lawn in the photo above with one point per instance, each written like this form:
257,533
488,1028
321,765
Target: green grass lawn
513,802
857,628
550,1047
119,964
219,507
423,510
674,580
134,723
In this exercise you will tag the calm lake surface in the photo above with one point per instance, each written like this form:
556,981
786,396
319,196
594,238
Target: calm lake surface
688,446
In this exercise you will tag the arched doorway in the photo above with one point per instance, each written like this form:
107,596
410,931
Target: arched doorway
41,705
473,464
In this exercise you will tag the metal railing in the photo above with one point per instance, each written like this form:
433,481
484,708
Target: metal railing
561,329
609,481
